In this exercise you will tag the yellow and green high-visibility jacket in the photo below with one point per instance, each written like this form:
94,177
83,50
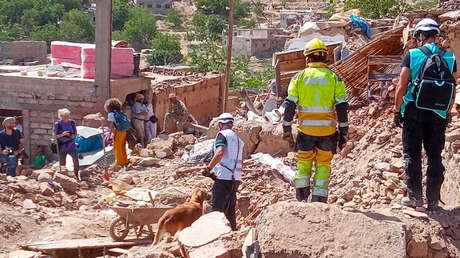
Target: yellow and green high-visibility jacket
315,91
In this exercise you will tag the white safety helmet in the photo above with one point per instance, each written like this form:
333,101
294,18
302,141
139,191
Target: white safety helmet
225,118
426,24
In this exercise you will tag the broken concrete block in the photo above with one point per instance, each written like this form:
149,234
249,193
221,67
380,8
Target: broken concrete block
28,204
329,228
146,153
36,173
206,229
69,184
148,162
126,178
205,237
45,189
44,177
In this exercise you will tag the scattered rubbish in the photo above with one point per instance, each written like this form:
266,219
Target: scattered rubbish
275,163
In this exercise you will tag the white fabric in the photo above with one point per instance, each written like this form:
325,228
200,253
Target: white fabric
111,117
232,154
149,110
150,131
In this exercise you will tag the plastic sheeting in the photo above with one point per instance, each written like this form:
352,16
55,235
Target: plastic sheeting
201,152
277,164
358,21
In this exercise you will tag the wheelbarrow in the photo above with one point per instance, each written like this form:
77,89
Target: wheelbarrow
134,218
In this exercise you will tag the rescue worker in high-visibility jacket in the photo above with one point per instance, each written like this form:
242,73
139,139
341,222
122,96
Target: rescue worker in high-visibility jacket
316,92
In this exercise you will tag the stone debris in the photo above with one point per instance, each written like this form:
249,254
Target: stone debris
332,230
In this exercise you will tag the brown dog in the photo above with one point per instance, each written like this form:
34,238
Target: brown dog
182,216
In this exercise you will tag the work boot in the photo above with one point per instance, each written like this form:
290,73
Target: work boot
411,201
433,192
316,198
302,193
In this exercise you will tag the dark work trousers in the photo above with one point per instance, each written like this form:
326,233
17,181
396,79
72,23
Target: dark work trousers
223,199
76,163
423,127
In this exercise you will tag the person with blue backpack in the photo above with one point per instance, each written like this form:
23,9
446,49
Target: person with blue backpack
119,125
423,101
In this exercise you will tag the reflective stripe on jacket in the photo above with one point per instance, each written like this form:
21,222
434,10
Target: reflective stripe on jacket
316,90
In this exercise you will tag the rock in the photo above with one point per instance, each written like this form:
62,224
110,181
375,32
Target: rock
45,189
69,184
453,136
44,177
417,248
170,195
248,131
209,236
23,254
126,178
437,244
452,15
186,139
148,162
161,145
206,229
3,177
333,231
271,140
93,120
146,153
382,166
415,214
28,204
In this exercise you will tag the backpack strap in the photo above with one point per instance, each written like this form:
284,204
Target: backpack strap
426,51
441,52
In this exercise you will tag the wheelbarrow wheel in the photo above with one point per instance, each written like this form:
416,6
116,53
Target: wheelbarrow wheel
118,229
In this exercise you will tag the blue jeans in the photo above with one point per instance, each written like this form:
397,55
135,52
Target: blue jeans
12,164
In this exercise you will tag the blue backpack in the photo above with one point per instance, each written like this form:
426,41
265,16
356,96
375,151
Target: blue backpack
122,122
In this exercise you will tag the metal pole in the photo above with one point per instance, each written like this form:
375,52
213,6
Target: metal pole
229,58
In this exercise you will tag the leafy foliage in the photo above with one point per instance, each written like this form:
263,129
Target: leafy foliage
209,56
120,14
140,29
48,33
375,9
241,9
166,49
77,27
173,16
204,27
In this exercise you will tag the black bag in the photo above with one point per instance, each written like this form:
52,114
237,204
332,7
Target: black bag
153,119
434,86
53,145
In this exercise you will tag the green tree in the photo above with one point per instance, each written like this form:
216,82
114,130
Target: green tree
48,33
204,27
120,14
241,8
206,57
166,49
173,16
9,33
375,9
76,26
140,29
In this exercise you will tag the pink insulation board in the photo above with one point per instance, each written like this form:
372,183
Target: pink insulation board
68,50
119,55
119,70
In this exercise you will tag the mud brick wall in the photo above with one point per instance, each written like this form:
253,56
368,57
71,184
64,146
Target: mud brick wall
201,99
23,51
39,99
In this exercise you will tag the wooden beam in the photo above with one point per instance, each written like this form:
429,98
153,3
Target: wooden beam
229,57
103,46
